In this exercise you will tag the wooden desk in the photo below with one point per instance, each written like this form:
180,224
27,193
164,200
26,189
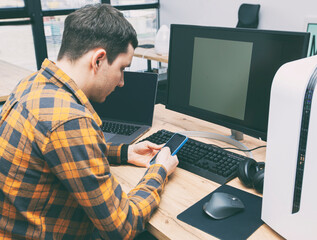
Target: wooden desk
185,188
10,75
149,54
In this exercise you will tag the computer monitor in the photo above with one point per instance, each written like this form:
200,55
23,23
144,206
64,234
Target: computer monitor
224,75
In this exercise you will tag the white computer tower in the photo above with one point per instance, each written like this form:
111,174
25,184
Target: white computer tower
291,208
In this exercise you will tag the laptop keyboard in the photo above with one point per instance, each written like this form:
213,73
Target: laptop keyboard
119,128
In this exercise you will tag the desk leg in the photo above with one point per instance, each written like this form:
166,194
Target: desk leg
149,65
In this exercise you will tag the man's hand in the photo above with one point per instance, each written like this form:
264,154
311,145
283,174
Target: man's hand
167,160
141,153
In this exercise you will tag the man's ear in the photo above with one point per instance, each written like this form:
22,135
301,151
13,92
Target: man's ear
98,57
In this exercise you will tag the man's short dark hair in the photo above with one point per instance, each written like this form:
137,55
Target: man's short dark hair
93,26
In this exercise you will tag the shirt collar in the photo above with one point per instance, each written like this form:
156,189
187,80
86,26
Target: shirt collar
58,74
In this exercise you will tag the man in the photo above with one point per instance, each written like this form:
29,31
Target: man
55,181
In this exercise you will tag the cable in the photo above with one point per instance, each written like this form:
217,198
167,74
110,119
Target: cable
226,139
219,137
242,150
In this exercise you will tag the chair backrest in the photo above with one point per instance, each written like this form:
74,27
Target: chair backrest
248,15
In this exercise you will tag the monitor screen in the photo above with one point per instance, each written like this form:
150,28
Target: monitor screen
224,75
132,103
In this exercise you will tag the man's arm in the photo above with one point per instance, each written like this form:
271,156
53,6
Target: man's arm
138,154
117,154
76,154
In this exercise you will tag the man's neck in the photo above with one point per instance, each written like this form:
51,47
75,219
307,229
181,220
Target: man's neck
78,71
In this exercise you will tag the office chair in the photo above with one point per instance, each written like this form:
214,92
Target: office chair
248,15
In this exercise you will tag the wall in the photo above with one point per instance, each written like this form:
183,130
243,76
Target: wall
287,15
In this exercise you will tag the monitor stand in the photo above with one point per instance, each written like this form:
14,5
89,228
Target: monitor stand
236,135
227,139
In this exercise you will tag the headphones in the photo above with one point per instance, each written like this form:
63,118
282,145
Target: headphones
251,174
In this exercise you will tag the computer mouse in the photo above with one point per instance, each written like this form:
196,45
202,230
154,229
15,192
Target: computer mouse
222,205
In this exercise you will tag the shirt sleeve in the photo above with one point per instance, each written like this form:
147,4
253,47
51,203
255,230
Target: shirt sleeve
117,154
76,154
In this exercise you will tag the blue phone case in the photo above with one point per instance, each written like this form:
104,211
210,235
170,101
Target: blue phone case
179,147
174,152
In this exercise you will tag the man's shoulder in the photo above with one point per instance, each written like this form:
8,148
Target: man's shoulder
53,105
59,105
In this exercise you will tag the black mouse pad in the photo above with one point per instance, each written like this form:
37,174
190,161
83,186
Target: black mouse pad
239,226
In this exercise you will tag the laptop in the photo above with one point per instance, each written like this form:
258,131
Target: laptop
127,112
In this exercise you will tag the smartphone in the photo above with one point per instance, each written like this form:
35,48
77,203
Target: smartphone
174,143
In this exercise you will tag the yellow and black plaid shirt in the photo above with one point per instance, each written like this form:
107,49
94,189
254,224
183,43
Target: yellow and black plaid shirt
55,180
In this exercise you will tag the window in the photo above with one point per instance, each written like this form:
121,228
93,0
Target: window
66,4
17,46
130,2
11,3
53,28
145,22
26,43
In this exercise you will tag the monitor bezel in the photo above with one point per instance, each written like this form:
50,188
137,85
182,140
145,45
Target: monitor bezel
238,127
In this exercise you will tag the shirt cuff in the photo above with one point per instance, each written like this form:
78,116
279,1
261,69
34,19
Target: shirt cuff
124,154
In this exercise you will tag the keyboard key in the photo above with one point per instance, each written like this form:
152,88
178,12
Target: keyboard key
205,160
119,128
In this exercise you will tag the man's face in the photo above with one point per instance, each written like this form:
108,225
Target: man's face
109,76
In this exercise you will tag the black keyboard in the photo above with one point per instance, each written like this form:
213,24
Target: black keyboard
119,128
205,160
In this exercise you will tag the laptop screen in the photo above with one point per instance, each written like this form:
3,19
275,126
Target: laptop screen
133,103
